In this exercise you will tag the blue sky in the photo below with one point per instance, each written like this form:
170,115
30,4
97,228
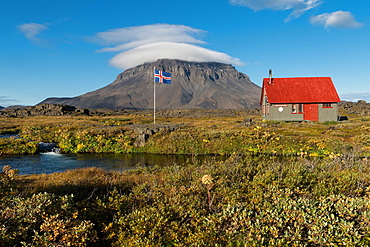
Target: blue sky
52,48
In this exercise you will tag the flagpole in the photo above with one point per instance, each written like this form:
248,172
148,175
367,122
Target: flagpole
154,93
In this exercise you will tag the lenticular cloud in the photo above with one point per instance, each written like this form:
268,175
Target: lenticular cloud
141,44
171,50
131,37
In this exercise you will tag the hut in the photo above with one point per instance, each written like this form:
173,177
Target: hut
299,99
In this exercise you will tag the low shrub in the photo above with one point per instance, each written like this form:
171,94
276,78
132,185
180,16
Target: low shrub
245,200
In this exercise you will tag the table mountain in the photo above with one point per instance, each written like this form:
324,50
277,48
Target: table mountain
208,85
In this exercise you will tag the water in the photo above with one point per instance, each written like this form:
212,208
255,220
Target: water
9,135
51,162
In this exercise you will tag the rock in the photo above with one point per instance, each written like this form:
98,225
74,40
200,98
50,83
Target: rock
360,108
46,147
44,110
247,121
141,140
144,131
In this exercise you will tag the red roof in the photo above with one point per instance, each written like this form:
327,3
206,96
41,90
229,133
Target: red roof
300,90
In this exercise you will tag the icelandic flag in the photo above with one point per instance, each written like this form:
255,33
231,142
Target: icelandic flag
162,77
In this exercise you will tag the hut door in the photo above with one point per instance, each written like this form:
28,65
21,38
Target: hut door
311,112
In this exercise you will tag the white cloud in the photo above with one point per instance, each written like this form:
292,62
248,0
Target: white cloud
6,101
32,30
338,19
354,97
130,37
149,43
170,50
298,6
275,4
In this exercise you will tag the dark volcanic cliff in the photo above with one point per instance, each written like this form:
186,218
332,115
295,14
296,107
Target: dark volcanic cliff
194,85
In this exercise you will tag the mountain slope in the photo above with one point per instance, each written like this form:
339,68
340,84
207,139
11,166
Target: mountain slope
194,85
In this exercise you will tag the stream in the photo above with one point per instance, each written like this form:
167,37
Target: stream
51,162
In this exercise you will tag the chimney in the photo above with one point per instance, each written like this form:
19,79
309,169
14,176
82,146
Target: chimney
270,76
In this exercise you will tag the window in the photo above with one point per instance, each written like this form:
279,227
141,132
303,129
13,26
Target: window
300,108
327,105
294,109
297,108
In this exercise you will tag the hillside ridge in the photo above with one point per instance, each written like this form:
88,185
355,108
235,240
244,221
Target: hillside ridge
208,85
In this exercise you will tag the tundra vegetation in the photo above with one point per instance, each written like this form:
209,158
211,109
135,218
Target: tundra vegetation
302,184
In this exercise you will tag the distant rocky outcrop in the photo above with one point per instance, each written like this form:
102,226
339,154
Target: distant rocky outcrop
360,108
208,85
62,110
42,109
1,107
198,113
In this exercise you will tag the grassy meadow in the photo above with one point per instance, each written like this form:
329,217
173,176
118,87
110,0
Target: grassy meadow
284,184
207,135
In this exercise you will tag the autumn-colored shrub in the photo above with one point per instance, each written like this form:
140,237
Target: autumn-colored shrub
311,189
245,200
43,220
266,204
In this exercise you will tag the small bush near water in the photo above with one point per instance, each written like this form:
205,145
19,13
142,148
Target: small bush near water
243,201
